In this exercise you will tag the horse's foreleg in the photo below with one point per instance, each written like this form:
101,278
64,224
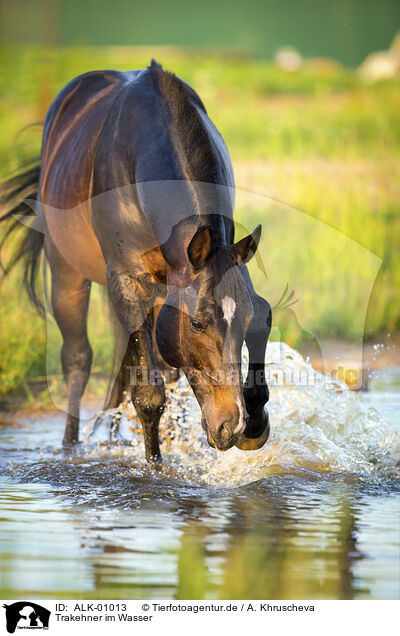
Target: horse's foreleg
70,298
256,393
122,380
148,394
133,305
120,387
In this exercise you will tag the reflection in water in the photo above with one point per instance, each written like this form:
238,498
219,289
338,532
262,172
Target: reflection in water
303,557
288,540
320,521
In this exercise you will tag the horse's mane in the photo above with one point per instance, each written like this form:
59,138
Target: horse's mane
187,130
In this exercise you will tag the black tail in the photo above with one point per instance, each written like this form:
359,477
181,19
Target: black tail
28,243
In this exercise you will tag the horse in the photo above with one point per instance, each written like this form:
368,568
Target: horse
135,191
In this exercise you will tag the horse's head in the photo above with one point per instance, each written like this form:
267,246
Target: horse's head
201,328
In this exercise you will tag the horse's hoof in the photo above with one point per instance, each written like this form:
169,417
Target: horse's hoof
253,441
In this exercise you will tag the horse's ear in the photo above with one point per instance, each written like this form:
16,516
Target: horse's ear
245,249
200,246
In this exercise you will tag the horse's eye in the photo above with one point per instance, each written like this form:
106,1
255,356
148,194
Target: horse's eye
197,326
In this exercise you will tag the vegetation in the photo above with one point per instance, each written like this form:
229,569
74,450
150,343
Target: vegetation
318,140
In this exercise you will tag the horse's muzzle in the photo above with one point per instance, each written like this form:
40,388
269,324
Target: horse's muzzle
222,438
256,432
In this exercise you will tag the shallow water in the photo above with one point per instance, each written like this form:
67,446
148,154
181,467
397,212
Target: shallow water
314,514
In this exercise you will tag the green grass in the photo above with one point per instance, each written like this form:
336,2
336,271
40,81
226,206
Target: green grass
262,111
318,140
331,265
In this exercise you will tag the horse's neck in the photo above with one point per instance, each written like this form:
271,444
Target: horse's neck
176,209
180,186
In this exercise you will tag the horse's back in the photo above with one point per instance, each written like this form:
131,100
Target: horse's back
100,130
72,128
71,131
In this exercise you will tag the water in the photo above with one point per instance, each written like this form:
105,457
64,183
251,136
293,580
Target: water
314,514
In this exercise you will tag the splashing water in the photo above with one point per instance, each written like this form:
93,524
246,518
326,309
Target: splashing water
316,428
109,525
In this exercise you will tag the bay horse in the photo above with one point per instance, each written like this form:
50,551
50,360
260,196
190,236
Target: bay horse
136,193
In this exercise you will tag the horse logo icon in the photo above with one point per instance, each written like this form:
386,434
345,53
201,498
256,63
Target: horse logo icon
26,615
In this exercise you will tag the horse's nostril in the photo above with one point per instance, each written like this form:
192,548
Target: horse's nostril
224,430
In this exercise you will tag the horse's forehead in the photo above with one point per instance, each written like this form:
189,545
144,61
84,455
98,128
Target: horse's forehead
229,293
228,308
231,288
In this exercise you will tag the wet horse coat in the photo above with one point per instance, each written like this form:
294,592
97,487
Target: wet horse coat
137,194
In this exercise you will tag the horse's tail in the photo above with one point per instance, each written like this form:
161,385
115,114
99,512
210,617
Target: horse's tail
27,242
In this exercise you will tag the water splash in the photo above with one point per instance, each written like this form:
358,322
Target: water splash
317,428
